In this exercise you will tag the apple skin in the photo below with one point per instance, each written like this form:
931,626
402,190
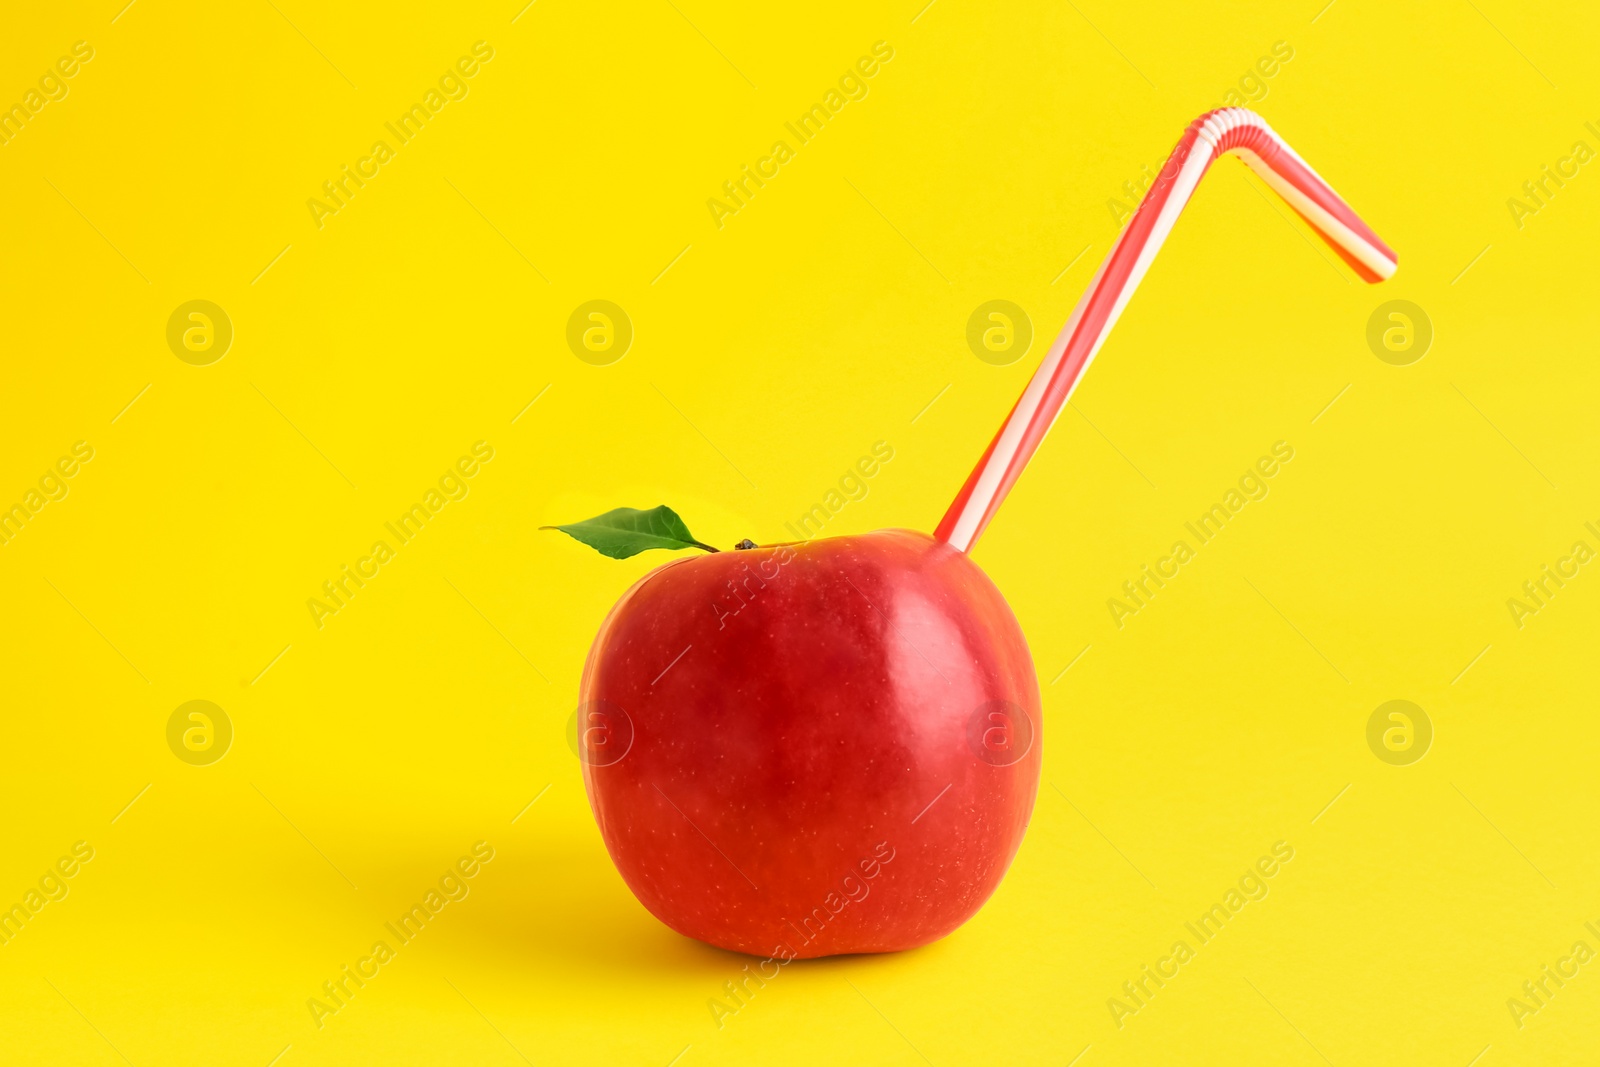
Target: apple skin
823,770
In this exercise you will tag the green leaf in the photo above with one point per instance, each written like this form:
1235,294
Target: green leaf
625,532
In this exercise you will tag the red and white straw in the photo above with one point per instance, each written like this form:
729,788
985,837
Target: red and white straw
1213,134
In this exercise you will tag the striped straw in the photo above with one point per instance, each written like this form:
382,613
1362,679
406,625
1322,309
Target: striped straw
1213,134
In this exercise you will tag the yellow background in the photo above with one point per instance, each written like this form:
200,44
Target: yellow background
371,753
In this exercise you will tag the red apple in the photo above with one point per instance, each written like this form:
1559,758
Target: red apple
815,748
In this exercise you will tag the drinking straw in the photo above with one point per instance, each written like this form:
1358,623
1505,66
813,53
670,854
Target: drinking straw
1216,133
